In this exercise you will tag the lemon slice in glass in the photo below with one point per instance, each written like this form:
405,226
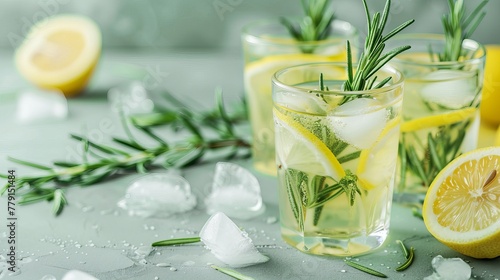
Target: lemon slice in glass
377,164
438,120
299,149
462,206
60,53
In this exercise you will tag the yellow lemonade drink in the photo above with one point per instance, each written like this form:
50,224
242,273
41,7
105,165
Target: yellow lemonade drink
440,111
267,48
336,155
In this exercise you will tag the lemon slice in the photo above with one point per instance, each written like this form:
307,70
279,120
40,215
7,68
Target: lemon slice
462,205
438,120
60,53
377,164
299,149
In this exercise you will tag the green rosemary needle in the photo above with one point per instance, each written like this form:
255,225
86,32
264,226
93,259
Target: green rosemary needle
176,241
232,273
458,26
365,269
316,23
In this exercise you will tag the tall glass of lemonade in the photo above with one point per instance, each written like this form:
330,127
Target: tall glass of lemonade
336,155
268,47
440,109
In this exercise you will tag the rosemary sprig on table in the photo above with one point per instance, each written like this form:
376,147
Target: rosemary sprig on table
100,161
458,27
316,23
372,59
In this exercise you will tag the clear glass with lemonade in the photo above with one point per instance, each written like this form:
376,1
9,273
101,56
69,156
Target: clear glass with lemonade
268,47
336,155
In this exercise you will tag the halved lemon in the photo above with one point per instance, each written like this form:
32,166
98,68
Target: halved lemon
60,53
299,149
377,164
438,120
462,205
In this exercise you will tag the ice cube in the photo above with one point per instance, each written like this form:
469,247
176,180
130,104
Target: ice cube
130,99
158,195
359,122
449,269
78,275
301,102
235,191
228,243
453,89
36,105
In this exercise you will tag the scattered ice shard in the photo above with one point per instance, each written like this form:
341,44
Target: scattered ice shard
158,195
36,106
130,99
359,122
235,192
449,269
78,275
228,243
452,89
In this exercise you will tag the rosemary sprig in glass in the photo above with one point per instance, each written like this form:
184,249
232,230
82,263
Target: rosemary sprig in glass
100,161
458,27
316,23
318,191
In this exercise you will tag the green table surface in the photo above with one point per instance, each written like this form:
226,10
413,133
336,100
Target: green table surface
94,235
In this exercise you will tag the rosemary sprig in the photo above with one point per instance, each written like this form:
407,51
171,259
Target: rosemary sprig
100,161
372,59
316,23
365,269
176,241
232,273
458,27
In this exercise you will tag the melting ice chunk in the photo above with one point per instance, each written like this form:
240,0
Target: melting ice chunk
77,275
452,89
359,122
131,99
235,192
449,269
35,105
158,195
228,243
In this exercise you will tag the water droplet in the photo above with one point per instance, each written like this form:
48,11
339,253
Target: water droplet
173,269
48,277
157,278
343,271
188,263
163,265
271,220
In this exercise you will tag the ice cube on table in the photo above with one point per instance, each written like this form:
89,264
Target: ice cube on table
37,106
78,275
449,269
453,89
158,195
235,192
228,243
131,98
359,122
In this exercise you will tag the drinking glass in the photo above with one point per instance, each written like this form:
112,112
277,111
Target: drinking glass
440,109
336,155
268,47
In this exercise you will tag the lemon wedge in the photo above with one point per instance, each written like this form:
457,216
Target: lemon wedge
377,164
60,53
461,207
299,149
438,120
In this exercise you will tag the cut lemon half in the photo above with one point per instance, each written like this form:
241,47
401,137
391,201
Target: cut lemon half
462,205
438,120
299,149
377,164
60,53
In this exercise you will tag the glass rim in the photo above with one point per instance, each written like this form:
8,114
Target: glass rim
251,37
389,68
470,43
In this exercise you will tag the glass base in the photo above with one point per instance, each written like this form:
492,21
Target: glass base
332,246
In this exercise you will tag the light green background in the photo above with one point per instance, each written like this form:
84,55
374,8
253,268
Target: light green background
201,24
